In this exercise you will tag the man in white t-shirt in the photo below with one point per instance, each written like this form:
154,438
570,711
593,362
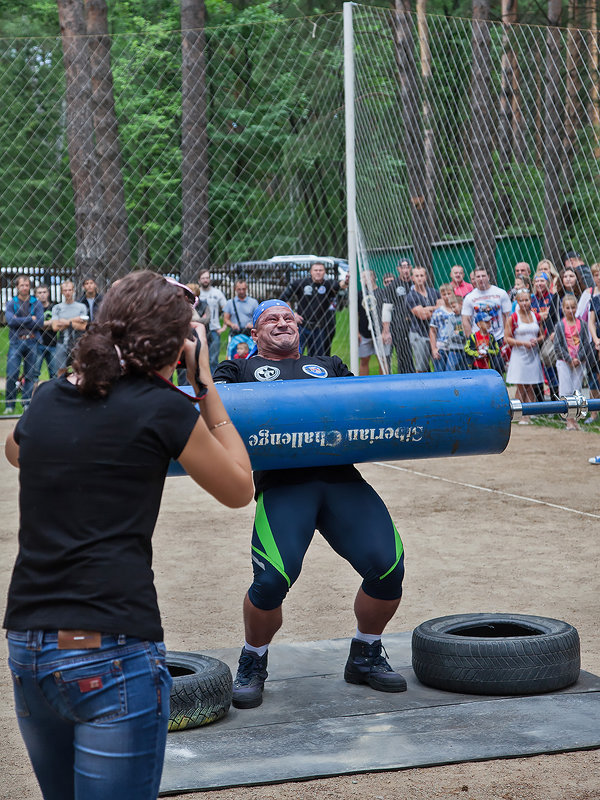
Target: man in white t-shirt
69,320
491,299
216,301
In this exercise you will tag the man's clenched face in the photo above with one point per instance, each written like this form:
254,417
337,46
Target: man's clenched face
276,333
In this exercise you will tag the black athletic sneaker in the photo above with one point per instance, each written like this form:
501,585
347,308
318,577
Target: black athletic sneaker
250,679
366,664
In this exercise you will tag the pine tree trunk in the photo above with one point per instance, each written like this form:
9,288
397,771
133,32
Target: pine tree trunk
594,104
428,121
194,142
553,137
481,138
118,259
506,120
573,110
90,250
412,133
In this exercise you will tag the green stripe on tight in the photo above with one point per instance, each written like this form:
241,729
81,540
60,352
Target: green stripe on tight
399,551
270,551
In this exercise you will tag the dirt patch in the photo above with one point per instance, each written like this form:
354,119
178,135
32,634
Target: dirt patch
475,539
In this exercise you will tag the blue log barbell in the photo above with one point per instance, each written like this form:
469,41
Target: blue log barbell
315,422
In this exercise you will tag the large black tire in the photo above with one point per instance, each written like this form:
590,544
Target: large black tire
496,654
201,692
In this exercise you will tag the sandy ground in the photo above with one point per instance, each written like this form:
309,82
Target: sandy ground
467,550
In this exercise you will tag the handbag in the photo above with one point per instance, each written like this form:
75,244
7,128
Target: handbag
547,353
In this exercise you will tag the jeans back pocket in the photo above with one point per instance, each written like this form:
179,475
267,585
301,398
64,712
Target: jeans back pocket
92,690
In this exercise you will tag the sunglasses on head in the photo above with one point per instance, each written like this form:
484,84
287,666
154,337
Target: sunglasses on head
189,295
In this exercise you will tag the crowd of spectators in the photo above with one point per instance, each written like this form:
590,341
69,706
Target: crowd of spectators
542,335
42,331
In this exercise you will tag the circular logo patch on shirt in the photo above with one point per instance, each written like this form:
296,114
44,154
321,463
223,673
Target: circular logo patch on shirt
308,290
315,371
321,290
267,373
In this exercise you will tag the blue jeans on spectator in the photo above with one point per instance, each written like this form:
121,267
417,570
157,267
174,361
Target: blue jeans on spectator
214,347
94,721
450,361
315,340
46,353
21,350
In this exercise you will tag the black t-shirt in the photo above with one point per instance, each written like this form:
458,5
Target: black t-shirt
49,336
414,299
395,292
257,369
91,479
311,300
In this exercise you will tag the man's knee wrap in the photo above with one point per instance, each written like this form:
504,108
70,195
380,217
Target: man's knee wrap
268,589
388,587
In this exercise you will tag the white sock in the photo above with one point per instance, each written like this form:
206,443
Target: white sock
260,651
369,638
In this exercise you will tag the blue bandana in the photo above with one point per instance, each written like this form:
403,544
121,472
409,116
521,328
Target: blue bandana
264,306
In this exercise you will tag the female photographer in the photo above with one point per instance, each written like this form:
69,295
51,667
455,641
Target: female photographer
84,632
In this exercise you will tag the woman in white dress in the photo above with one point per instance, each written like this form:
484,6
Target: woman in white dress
524,335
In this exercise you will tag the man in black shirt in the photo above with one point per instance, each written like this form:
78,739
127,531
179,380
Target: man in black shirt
46,346
291,503
312,298
396,332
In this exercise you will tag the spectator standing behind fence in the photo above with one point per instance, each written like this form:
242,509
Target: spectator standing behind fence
24,318
216,302
46,346
593,322
573,260
446,334
481,346
311,298
85,638
237,315
69,319
396,330
524,334
370,304
545,265
91,298
541,303
490,299
460,286
422,301
522,270
573,351
521,282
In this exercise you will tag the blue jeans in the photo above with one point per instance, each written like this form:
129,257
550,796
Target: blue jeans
214,347
94,721
47,353
314,340
450,360
21,350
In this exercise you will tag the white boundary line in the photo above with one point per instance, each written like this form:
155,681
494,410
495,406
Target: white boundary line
486,489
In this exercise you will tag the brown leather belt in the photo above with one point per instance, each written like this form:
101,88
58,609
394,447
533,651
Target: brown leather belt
79,640
29,336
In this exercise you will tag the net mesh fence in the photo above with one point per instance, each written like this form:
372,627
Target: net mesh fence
477,143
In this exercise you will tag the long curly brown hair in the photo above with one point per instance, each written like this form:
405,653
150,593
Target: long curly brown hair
142,315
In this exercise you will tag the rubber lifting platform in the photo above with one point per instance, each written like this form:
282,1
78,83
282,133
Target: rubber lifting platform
314,725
